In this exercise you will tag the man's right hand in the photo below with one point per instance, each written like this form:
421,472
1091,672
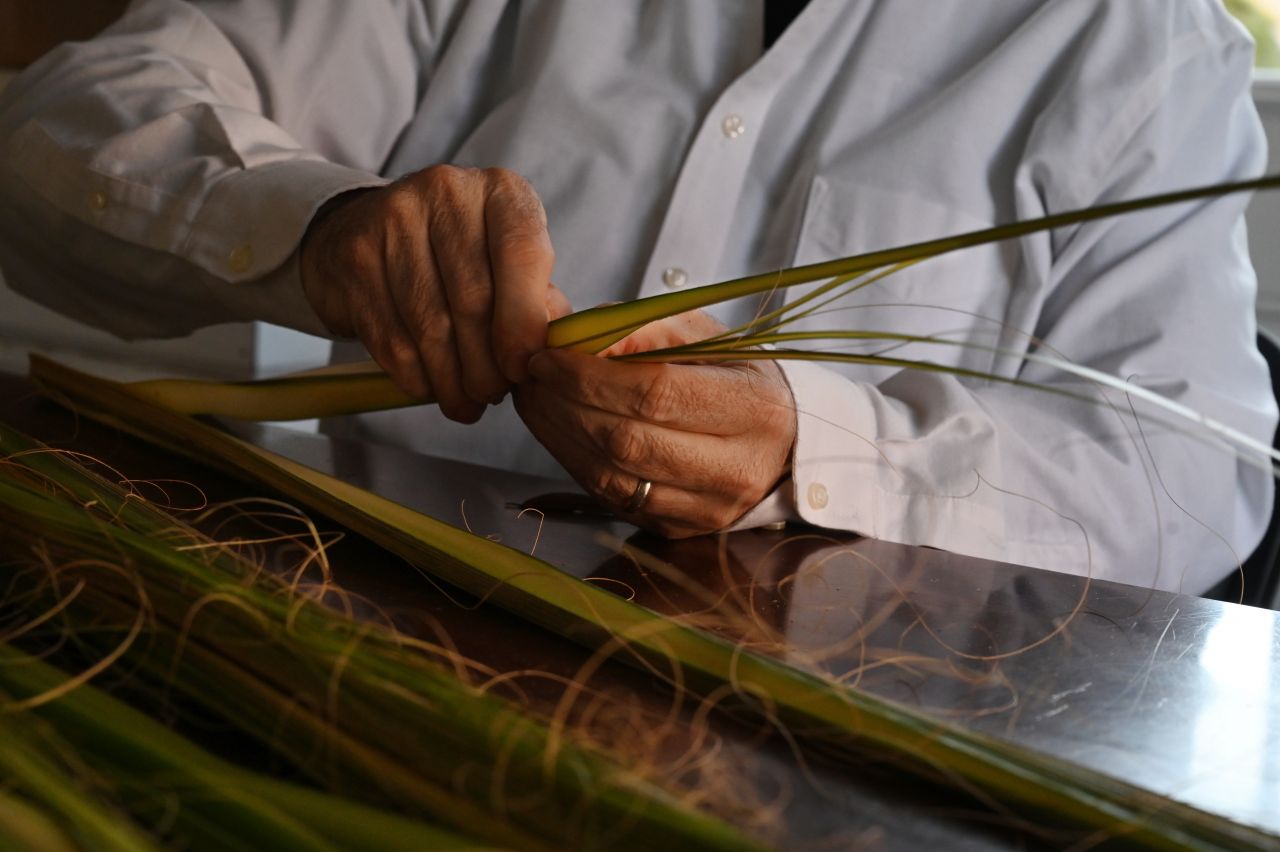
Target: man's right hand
444,275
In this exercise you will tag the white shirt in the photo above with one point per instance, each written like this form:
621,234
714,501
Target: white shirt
159,179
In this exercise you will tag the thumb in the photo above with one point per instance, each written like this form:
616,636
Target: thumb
557,303
678,330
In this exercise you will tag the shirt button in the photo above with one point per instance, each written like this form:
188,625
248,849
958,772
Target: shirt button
241,260
675,277
818,496
98,201
733,126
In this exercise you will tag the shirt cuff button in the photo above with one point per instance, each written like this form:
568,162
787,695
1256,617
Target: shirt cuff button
817,495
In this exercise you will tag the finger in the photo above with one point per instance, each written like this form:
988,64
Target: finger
706,464
419,297
714,400
457,241
689,327
670,509
676,513
557,303
380,328
521,256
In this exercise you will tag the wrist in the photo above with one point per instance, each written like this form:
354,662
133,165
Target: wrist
323,233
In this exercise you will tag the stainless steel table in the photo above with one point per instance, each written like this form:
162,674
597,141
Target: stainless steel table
1174,693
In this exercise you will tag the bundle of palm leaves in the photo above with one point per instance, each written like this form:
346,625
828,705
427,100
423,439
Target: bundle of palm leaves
353,705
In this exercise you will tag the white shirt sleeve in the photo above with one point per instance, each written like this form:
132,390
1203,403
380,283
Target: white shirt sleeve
1034,477
159,178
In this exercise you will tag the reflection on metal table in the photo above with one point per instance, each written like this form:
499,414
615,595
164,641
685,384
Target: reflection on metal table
1176,694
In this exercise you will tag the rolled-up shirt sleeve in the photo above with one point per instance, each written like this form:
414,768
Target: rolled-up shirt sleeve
1163,299
159,178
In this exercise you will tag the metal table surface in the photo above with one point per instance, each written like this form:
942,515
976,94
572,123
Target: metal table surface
1174,693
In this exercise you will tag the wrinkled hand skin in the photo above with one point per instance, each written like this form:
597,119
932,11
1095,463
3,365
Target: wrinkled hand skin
444,276
713,439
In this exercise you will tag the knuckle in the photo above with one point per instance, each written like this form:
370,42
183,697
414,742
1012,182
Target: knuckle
608,486
657,400
507,181
625,443
446,189
519,202
399,359
435,330
402,207
441,176
400,352
471,302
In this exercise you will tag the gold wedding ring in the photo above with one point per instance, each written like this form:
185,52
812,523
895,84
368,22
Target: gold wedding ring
638,497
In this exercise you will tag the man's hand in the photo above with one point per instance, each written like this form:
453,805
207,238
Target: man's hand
445,276
713,439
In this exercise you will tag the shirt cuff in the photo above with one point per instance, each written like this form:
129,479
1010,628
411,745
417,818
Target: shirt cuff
835,450
778,507
254,220
848,475
249,231
831,412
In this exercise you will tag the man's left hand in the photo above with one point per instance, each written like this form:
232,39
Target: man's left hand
712,439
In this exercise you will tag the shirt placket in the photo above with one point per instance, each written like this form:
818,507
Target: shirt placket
701,212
